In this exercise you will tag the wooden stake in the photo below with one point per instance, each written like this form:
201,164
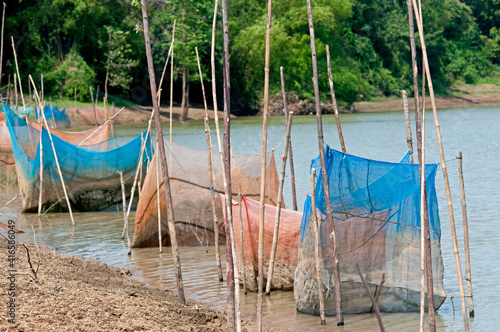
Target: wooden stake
55,154
374,300
290,150
260,279
211,170
328,203
279,200
42,93
113,134
53,118
334,100
75,100
1,47
444,168
216,113
171,92
423,226
9,92
125,218
41,175
18,76
93,105
409,140
163,160
468,276
316,248
240,198
15,94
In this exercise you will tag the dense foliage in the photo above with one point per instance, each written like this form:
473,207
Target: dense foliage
75,43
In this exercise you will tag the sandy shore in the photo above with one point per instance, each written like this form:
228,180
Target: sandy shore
55,292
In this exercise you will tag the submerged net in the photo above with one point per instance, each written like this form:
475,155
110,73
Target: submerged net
89,172
190,182
376,211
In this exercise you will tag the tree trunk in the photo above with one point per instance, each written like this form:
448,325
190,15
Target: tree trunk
185,95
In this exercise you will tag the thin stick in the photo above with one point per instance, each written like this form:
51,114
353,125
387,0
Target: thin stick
42,93
468,276
423,225
212,172
15,94
113,134
279,200
374,302
40,188
165,68
329,216
18,76
12,200
93,105
9,92
1,47
75,100
290,150
240,198
334,100
444,168
53,118
316,248
216,113
160,240
409,140
125,218
163,160
171,92
260,279
55,154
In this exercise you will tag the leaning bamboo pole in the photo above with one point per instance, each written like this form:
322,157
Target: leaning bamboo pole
316,248
93,105
279,200
163,160
290,150
171,93
334,100
328,203
409,140
40,187
428,254
18,76
55,154
15,94
1,43
232,274
124,209
216,120
423,226
158,203
444,168
468,276
208,138
260,279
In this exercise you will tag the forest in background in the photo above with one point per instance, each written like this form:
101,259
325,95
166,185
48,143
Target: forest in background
78,43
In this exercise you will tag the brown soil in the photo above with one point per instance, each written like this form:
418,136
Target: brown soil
62,293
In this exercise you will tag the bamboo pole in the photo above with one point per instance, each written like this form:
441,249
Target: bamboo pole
55,154
290,150
165,69
9,92
42,93
334,100
232,274
409,140
113,134
95,131
240,199
216,113
1,47
260,279
468,276
208,138
160,240
93,105
428,254
40,188
124,208
15,93
444,168
373,299
328,203
18,76
171,92
75,100
316,248
279,200
163,160
53,118
423,226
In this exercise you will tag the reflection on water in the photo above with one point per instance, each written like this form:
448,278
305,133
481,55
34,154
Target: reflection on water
377,136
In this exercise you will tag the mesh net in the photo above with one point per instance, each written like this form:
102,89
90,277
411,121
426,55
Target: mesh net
55,117
6,155
286,256
190,182
90,117
376,210
89,172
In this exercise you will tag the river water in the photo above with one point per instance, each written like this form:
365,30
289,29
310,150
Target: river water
379,136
